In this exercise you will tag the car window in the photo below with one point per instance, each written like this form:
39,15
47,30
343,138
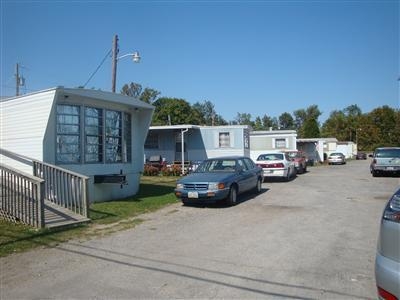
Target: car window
242,164
217,165
249,163
387,153
271,156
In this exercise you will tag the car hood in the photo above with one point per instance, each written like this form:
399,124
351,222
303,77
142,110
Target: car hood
206,177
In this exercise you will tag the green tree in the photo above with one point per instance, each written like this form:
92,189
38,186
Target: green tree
132,89
335,126
353,113
309,115
286,121
311,128
258,124
243,119
173,111
268,123
147,95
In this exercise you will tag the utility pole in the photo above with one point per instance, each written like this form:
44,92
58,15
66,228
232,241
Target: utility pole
135,57
114,62
17,80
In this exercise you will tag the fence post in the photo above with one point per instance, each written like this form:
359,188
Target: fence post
85,196
41,204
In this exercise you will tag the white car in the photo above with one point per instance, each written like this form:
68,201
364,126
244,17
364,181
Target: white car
277,164
387,261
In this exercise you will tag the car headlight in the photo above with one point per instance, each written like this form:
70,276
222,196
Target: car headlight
213,186
179,185
216,186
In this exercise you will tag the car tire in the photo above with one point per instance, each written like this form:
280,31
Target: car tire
232,197
374,173
258,187
287,178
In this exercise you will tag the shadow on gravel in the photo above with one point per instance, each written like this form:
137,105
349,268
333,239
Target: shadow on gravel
223,204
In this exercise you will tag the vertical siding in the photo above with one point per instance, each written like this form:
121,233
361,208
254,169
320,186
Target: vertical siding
23,122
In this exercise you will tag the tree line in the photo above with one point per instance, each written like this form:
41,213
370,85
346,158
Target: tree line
378,128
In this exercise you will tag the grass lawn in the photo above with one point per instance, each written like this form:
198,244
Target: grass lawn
107,217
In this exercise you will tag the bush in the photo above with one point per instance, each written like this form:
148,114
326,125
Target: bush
173,170
150,171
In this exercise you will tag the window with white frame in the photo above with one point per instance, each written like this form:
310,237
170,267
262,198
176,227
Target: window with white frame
280,143
224,140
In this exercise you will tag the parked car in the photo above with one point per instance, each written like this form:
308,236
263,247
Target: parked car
156,161
336,158
220,178
300,160
387,261
385,160
361,155
276,164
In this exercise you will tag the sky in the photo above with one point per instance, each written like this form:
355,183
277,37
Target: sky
254,57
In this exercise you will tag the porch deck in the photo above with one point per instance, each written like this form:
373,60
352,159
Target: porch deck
56,216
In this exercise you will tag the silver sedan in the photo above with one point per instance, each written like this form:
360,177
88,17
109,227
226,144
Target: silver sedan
336,158
387,262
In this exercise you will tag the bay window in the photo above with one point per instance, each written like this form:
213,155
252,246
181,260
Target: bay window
106,135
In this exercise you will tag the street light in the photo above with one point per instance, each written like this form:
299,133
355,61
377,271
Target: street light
135,57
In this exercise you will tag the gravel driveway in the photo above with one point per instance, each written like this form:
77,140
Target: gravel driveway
311,238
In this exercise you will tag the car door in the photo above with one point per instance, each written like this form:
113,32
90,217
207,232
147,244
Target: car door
249,174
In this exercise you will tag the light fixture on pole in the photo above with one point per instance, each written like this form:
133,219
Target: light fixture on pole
135,57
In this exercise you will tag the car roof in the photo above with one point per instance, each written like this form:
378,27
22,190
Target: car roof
228,157
383,148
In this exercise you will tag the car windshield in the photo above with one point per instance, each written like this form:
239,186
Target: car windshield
294,154
217,165
388,153
271,156
336,154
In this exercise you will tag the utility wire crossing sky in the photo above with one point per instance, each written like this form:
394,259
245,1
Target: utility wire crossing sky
255,57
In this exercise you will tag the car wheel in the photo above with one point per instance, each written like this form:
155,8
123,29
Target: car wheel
374,173
232,197
258,187
300,170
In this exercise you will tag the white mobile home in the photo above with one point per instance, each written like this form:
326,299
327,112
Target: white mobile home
271,140
94,133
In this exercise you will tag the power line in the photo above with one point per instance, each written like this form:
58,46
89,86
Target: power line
102,62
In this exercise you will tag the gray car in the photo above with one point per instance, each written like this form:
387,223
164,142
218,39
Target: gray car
385,160
387,262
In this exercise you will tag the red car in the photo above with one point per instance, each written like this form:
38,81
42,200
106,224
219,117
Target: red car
300,160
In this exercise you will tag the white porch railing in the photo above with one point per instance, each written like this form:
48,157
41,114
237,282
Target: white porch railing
59,186
21,197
